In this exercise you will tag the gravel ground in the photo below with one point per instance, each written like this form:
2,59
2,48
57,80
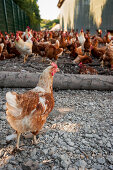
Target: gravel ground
78,134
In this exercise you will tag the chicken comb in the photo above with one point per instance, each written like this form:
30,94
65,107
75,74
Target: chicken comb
53,64
80,64
17,34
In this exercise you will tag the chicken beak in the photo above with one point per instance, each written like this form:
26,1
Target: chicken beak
57,69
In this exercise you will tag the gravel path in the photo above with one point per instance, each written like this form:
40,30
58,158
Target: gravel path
78,135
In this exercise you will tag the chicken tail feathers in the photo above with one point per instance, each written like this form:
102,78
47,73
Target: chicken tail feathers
11,105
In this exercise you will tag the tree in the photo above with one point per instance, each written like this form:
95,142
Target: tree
48,24
32,10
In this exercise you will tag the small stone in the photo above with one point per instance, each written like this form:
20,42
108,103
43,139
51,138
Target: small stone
1,153
24,167
33,153
45,151
10,167
29,163
101,160
108,144
9,158
110,159
111,167
81,163
70,143
71,168
52,150
82,156
85,142
4,107
97,167
96,136
13,162
89,135
65,159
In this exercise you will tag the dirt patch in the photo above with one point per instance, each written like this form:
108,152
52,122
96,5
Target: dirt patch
36,65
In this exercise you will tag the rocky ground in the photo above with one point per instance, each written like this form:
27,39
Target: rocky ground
65,63
78,134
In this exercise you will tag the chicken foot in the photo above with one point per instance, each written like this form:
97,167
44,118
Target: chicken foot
35,141
43,59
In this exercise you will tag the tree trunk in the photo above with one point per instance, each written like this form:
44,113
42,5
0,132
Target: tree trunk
61,81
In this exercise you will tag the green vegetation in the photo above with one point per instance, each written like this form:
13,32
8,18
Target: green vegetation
48,24
32,10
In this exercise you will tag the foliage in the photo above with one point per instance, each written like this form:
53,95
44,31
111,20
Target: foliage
48,24
32,10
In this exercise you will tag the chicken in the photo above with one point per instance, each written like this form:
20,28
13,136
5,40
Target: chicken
83,58
24,48
35,47
12,49
6,55
108,56
98,52
106,38
86,69
52,52
39,48
27,34
74,50
28,112
1,48
46,49
63,42
81,39
110,36
87,45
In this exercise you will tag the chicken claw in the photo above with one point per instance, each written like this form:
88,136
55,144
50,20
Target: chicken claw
15,150
35,141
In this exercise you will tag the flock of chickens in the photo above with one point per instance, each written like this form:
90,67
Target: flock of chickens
81,47
28,112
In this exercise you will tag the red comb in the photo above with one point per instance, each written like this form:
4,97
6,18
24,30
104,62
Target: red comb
80,64
53,64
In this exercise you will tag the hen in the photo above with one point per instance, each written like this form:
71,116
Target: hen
87,70
12,49
53,52
28,112
74,50
108,56
98,52
87,45
24,48
1,48
81,39
83,58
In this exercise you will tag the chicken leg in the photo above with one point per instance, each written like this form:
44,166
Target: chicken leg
17,149
18,140
35,141
25,58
